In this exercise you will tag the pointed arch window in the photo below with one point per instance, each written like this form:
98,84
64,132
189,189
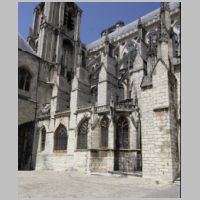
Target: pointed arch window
60,138
122,133
67,58
104,132
82,135
24,79
43,139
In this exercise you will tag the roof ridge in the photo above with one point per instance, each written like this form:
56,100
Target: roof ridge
24,45
125,29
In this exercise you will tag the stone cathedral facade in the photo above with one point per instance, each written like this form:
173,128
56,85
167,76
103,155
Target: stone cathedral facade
112,105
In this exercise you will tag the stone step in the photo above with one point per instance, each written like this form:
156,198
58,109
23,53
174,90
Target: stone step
117,173
138,174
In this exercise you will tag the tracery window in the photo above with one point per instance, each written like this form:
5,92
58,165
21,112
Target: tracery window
68,18
60,138
67,58
122,133
43,139
82,135
24,79
104,132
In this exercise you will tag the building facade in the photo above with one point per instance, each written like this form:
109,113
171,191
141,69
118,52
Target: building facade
113,105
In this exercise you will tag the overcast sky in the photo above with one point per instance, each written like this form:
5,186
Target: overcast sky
96,16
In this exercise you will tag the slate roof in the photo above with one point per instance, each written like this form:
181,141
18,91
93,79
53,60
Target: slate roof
131,26
24,46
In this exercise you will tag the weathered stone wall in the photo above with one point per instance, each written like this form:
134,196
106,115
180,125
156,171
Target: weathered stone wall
158,127
26,111
127,161
101,160
27,99
30,63
50,159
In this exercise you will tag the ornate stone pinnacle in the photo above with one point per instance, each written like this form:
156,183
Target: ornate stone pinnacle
164,6
106,37
140,23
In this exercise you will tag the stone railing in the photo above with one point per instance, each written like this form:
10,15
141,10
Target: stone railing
101,109
126,105
84,106
43,115
62,113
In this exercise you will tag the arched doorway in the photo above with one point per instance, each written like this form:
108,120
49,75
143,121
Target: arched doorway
25,146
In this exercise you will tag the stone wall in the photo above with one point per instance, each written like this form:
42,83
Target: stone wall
26,111
158,127
101,160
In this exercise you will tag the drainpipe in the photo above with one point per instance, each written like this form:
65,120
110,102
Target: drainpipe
34,149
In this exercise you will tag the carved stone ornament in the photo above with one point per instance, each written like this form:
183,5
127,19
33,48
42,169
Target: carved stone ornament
45,109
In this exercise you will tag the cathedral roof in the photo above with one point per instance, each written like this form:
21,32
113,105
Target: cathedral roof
24,46
131,26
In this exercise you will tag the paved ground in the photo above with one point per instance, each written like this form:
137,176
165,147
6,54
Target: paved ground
61,184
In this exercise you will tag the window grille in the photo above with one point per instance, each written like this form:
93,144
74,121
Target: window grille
82,135
122,134
60,138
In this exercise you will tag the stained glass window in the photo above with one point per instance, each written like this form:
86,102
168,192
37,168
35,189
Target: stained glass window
82,135
122,133
60,138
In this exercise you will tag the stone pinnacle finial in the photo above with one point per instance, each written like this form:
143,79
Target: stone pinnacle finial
164,6
140,23
165,22
106,37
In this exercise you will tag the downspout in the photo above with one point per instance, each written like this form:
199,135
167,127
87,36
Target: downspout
34,149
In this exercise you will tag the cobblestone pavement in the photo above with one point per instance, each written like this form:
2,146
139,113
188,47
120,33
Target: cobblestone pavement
62,184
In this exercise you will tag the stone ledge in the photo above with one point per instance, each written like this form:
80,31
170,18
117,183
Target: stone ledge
81,150
161,109
43,117
62,113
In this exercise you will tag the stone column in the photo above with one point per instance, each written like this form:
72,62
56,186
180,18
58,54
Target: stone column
111,135
35,22
61,13
77,27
